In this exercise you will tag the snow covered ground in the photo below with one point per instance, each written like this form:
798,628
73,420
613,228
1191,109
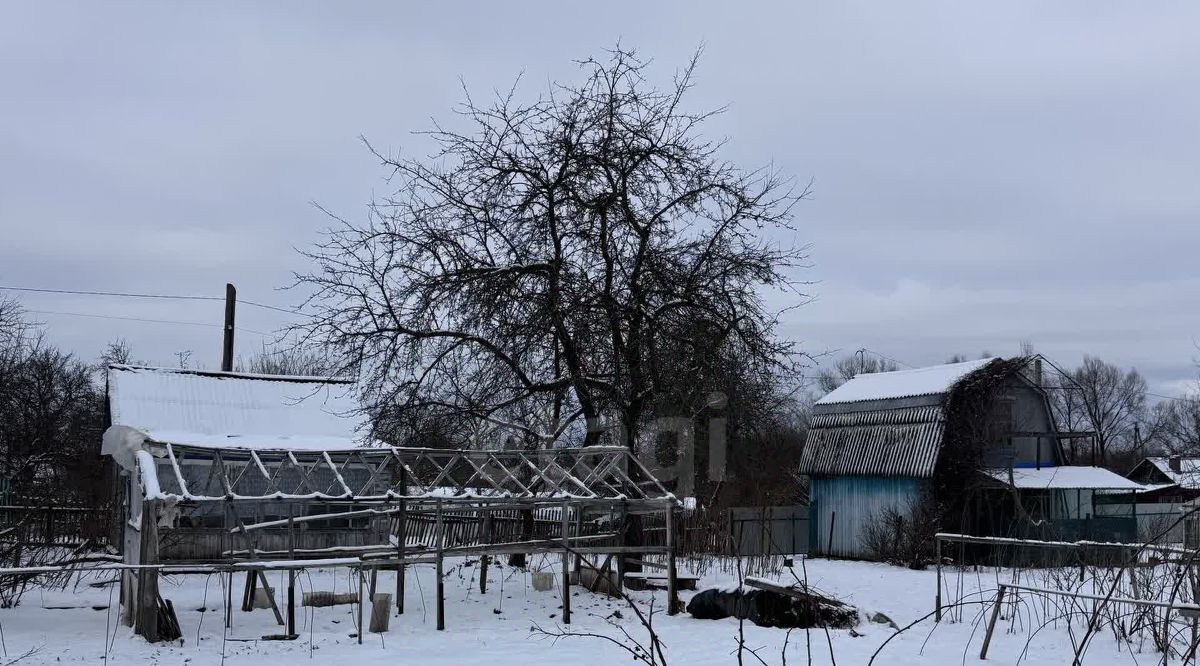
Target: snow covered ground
62,627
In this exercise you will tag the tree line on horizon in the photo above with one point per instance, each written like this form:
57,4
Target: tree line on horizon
572,267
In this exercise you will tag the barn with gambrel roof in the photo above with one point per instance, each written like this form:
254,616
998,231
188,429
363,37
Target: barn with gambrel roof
976,438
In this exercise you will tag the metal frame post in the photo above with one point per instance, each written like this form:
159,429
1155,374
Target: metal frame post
937,600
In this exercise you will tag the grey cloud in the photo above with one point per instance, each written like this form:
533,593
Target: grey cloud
983,174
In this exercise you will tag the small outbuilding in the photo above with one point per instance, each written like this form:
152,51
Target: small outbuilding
1170,483
972,446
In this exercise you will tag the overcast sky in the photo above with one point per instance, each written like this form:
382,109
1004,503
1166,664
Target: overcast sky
982,175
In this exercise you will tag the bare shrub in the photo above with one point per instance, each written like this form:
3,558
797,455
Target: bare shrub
903,535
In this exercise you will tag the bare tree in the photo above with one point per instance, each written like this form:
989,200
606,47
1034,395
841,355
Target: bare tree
117,351
297,360
549,255
1176,425
847,367
1100,397
53,409
13,326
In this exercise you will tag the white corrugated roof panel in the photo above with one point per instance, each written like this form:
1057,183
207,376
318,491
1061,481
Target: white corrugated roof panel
235,410
1066,477
1188,475
902,383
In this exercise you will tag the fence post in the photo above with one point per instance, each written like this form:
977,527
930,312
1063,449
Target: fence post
566,564
937,602
672,583
441,592
987,638
147,601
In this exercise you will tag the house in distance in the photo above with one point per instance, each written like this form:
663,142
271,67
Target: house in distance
973,444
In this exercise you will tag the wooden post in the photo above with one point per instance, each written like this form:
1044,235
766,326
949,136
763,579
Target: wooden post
486,524
566,565
227,539
987,638
621,558
401,541
147,592
227,342
578,532
248,592
483,572
229,601
291,591
937,601
361,628
672,580
441,592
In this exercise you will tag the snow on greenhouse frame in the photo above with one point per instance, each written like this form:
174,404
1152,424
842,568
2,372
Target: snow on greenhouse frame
230,472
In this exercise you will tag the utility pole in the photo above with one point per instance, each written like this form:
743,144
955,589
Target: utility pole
227,348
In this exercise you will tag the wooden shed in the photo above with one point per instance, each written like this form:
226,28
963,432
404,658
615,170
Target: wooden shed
975,438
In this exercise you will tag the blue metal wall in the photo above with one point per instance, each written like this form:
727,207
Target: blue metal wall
847,504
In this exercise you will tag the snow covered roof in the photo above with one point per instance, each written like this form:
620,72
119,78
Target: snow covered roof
1065,477
234,410
1188,475
932,380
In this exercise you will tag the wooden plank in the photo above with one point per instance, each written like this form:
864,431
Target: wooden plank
645,575
771,586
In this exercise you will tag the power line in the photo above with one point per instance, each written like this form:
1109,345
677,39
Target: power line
120,294
142,319
886,358
112,293
283,310
1171,397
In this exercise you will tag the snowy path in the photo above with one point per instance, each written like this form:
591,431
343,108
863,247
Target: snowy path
495,628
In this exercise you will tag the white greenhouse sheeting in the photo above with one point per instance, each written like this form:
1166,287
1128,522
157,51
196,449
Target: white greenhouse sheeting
902,383
1065,477
235,410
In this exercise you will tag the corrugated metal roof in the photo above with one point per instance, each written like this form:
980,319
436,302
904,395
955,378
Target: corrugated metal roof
932,380
1064,477
234,410
890,442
